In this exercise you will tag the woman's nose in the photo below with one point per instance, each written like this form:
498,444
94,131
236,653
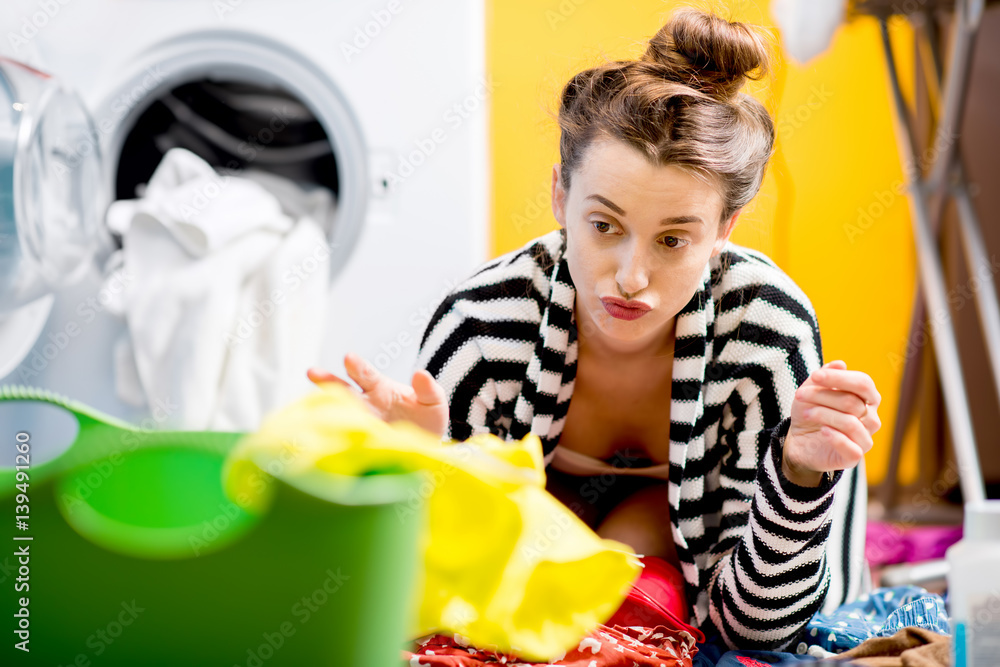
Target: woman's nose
633,272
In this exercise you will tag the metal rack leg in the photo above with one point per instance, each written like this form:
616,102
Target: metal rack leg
931,273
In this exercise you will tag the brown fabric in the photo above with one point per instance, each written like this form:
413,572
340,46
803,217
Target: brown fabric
910,647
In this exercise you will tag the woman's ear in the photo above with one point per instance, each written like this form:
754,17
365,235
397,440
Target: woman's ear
725,231
558,196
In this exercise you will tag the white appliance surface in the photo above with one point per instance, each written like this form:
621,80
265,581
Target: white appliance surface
401,90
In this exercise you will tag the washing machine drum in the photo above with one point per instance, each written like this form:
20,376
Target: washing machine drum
50,208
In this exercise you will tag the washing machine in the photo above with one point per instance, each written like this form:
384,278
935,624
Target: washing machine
390,104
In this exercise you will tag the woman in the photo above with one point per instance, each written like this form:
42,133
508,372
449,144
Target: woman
674,378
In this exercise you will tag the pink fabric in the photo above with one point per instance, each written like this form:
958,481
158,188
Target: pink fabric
888,543
749,662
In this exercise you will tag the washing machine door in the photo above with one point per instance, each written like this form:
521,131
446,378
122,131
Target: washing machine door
50,208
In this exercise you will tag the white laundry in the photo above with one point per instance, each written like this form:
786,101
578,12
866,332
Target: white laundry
227,294
202,209
296,202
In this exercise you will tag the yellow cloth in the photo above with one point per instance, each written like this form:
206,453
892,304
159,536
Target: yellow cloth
506,565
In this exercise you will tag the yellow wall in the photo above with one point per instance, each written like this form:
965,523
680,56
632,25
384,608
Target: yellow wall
829,213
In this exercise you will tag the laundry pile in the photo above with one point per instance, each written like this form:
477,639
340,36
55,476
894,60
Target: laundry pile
905,626
503,564
225,298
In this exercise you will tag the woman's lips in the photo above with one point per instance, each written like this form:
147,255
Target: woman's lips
625,310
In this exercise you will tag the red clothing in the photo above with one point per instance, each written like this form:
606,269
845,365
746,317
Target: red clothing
657,598
650,628
604,647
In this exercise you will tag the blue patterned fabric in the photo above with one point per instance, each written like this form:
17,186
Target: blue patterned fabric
881,613
713,653
710,652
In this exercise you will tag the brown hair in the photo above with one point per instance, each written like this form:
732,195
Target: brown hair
680,104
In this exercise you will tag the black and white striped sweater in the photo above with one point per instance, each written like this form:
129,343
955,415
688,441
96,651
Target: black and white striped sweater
760,555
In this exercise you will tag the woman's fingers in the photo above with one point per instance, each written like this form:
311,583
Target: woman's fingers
427,390
871,419
844,401
821,448
832,376
425,404
361,372
431,411
815,417
853,392
320,376
834,414
840,451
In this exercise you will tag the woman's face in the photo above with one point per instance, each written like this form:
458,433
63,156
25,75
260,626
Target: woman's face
638,239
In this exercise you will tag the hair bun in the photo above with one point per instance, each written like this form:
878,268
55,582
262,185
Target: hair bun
708,53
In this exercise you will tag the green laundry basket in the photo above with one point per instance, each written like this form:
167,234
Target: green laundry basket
138,557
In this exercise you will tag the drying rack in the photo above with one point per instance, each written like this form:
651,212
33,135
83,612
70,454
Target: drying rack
930,187
929,190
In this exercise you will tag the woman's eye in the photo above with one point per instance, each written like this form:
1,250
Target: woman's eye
602,227
674,242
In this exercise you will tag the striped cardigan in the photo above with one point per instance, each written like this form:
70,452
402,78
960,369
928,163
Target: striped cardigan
759,554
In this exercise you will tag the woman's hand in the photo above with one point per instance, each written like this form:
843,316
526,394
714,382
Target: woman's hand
424,404
834,414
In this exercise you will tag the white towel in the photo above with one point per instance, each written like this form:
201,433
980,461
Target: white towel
226,305
202,209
